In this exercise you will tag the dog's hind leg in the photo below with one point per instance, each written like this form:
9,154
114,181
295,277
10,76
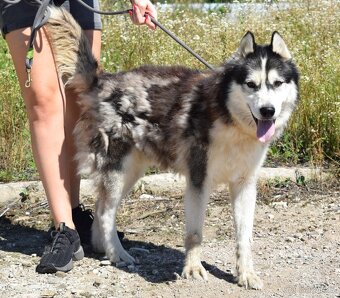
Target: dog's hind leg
243,193
113,186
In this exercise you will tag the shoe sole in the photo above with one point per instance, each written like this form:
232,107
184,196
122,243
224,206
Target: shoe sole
77,256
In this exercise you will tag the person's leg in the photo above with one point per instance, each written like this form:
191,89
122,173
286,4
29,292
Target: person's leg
46,105
51,119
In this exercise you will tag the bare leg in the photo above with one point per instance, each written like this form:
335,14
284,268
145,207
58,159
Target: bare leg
243,201
51,120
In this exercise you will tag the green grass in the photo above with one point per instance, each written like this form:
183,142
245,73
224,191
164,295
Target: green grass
311,30
15,151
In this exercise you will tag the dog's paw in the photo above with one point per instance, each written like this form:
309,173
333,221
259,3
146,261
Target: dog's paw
119,256
250,280
196,271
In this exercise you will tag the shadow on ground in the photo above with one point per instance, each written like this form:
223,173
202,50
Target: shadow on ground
156,263
22,239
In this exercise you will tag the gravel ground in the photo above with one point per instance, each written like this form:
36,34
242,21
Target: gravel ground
296,248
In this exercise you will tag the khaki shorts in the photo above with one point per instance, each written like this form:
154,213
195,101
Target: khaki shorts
21,15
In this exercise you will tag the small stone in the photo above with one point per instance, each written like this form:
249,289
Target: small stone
33,200
26,263
279,204
96,283
48,294
61,274
290,239
105,263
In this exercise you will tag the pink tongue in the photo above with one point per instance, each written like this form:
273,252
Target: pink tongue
265,130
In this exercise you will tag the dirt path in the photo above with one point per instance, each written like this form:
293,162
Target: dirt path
296,249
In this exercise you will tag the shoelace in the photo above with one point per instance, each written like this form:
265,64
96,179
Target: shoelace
60,240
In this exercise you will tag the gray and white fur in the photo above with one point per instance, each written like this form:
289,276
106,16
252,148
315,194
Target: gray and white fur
211,126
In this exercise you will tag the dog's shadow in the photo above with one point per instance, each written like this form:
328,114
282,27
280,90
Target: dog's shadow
159,263
156,263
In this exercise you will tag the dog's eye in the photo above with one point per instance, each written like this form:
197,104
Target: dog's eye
251,85
277,84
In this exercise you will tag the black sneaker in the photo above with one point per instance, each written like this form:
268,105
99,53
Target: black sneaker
64,249
83,219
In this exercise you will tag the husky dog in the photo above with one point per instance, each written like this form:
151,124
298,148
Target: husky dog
212,126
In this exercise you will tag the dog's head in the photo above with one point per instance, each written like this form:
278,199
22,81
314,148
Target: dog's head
265,89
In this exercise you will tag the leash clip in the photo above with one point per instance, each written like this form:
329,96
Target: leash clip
29,62
29,79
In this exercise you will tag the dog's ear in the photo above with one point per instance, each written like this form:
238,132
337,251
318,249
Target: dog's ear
247,45
279,46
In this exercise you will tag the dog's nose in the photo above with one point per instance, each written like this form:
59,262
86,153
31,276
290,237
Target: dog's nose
267,112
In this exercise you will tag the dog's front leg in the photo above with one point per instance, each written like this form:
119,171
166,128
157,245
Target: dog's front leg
243,193
196,199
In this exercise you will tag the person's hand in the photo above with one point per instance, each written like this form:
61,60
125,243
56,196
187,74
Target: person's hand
141,12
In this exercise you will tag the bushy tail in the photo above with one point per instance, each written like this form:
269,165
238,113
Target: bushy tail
73,56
